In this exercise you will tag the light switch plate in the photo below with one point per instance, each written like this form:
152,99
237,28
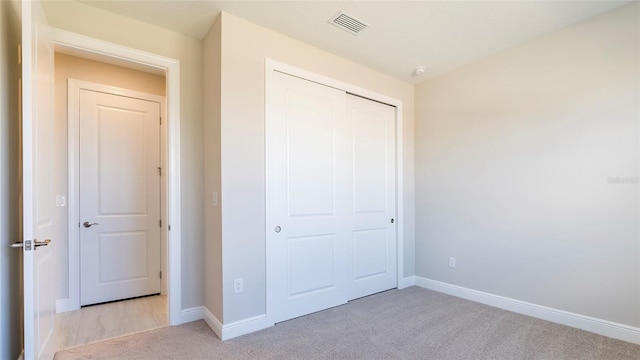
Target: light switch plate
61,201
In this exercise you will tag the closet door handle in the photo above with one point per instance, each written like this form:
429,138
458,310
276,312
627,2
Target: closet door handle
277,229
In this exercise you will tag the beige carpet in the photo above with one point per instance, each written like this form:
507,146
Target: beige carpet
413,323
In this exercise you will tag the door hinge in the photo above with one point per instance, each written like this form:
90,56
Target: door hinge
160,274
160,120
160,223
19,54
159,171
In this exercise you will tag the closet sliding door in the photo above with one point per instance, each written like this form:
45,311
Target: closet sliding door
309,204
373,206
330,197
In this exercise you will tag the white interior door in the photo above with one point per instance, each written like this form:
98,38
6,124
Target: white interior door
308,136
119,197
37,197
373,237
331,197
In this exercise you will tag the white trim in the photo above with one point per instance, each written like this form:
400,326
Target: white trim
234,329
243,327
191,314
62,305
595,325
407,282
28,307
270,67
213,322
269,252
73,192
21,356
84,44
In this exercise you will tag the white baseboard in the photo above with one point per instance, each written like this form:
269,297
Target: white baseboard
406,282
243,327
21,356
191,314
62,305
595,325
213,322
234,329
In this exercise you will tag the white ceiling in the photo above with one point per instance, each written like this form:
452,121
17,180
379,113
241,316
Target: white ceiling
441,35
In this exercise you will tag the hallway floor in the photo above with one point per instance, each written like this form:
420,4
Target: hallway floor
106,321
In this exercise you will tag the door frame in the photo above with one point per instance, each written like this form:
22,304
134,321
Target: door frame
73,135
100,50
272,66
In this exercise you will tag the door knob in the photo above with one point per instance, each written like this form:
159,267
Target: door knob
88,224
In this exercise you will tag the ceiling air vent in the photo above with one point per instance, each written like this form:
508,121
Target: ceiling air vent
348,23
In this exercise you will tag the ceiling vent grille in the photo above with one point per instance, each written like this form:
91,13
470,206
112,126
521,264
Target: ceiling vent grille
348,23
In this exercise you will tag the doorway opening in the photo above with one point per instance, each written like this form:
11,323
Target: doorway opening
71,44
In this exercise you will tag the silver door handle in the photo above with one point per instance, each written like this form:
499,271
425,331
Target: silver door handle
88,224
37,243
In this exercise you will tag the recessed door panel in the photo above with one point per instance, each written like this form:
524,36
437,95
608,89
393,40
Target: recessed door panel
122,174
310,153
311,264
373,254
131,265
369,161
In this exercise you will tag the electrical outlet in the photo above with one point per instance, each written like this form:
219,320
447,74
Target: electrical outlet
238,286
452,262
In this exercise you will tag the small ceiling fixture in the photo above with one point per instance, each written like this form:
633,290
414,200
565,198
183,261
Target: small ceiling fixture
348,23
420,70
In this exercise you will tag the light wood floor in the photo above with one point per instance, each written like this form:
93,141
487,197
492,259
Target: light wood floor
106,321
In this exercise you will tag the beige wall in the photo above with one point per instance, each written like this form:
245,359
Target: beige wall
86,20
71,67
244,49
515,159
212,213
10,259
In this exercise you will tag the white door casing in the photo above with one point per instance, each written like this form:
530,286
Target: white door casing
331,197
120,194
37,193
374,197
